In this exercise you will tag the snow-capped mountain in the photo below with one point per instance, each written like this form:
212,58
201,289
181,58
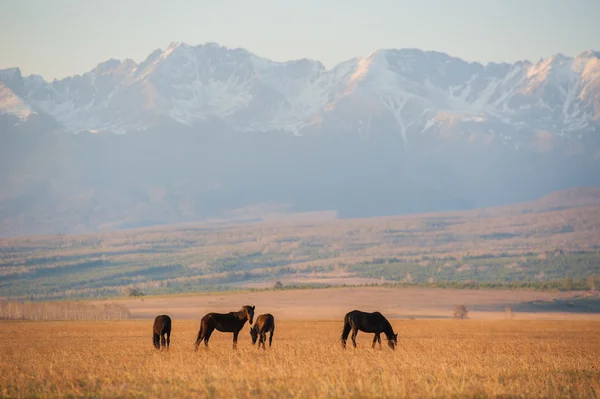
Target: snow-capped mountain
407,91
397,131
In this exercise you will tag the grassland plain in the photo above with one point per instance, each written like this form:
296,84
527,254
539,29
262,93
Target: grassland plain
435,358
396,303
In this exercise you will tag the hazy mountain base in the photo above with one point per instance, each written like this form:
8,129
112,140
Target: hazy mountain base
525,246
59,183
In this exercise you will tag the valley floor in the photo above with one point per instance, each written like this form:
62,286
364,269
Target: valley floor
394,303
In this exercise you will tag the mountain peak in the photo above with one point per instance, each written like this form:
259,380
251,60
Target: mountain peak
114,65
213,45
129,62
589,54
107,65
10,73
174,45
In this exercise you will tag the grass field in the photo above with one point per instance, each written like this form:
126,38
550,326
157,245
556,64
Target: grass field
435,358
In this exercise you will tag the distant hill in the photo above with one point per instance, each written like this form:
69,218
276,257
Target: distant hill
550,243
572,198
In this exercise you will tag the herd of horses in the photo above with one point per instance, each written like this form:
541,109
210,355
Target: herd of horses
233,322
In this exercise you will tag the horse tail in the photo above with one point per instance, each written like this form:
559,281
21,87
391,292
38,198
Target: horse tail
347,328
156,340
200,336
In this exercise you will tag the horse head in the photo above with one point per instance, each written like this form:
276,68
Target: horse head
254,334
249,313
393,341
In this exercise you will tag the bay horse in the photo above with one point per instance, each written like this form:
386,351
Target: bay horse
265,323
224,322
161,327
375,322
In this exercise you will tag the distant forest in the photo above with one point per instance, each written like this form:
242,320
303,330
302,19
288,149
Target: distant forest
539,245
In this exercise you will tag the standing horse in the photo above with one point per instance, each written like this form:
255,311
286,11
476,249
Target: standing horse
369,323
161,327
224,322
265,323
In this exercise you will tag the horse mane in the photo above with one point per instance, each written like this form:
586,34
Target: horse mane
244,311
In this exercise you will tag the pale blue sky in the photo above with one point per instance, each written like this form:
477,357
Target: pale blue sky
57,38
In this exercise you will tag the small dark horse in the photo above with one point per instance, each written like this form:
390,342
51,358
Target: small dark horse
162,327
265,323
369,323
224,322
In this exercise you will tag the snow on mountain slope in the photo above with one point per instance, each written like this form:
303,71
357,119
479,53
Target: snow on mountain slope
11,90
80,102
405,91
11,104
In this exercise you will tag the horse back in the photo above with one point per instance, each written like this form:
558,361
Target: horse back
162,324
224,322
265,322
365,321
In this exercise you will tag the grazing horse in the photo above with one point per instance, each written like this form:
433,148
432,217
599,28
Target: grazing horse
162,327
224,322
369,323
265,323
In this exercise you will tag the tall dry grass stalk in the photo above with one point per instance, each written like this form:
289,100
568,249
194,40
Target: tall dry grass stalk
435,358
15,310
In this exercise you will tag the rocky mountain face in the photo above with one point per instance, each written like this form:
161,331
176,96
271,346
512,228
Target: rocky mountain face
196,132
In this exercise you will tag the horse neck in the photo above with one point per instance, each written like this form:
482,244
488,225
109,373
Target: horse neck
388,330
242,314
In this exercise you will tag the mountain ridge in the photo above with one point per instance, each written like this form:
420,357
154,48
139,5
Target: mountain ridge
418,90
208,131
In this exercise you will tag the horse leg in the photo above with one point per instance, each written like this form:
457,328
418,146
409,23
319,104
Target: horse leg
379,340
374,341
156,340
201,335
271,337
235,337
207,336
354,333
263,338
163,340
168,339
345,332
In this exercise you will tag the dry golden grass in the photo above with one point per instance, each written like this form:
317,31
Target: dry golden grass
435,358
66,310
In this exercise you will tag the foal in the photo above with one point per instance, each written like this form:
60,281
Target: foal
265,323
